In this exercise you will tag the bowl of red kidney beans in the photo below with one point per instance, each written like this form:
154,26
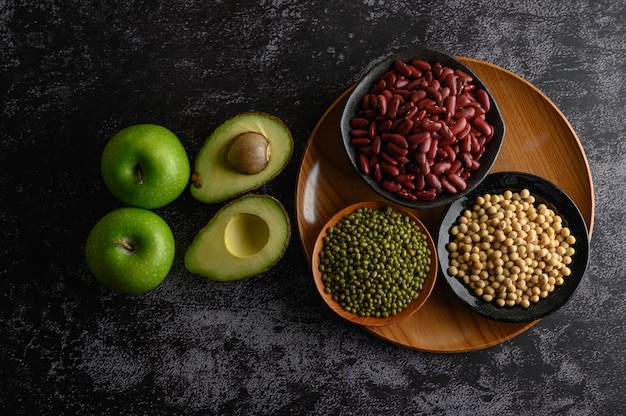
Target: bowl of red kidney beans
421,128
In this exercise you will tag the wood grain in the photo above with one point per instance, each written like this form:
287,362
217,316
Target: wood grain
538,140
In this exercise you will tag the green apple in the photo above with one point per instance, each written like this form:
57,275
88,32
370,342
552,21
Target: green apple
145,166
130,250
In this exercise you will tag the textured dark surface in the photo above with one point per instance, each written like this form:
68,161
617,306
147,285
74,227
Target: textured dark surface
72,73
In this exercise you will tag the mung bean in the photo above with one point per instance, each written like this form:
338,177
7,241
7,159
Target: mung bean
397,262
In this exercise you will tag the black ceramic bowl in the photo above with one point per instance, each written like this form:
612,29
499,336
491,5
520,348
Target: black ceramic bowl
544,192
354,103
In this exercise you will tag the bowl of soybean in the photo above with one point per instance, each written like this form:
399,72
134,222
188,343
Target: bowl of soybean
540,249
374,263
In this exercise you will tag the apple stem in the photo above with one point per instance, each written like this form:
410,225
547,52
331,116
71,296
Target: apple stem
139,175
124,245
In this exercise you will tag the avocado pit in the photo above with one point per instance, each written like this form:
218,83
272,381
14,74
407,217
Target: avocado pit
248,153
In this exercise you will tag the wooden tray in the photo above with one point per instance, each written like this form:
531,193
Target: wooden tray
539,140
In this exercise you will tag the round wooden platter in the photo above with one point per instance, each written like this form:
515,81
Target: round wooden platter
538,140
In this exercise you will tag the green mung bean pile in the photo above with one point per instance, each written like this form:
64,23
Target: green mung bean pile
374,262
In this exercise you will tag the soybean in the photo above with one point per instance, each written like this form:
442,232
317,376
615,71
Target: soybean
510,250
374,262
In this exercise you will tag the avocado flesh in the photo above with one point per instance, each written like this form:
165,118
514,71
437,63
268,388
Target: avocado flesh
246,237
214,180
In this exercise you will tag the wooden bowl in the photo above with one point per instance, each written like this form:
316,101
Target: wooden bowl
427,285
353,105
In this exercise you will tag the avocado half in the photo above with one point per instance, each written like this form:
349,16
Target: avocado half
246,237
215,180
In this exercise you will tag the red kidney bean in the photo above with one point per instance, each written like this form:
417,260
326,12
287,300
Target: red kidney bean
446,135
437,69
372,130
405,108
422,163
417,138
434,93
418,96
483,126
445,184
405,126
435,109
466,144
433,181
359,132
424,125
458,182
406,195
483,99
462,100
376,145
392,109
403,160
457,165
399,140
390,186
396,138
378,174
425,145
429,125
469,87
385,126
379,87
450,153
426,195
401,82
450,82
445,71
441,167
409,185
385,157
466,158
389,77
421,115
425,102
475,144
432,151
445,92
458,126
359,123
412,113
364,164
396,150
373,160
402,68
390,169
420,182
359,141
382,104
421,64
465,132
450,104
404,177
465,113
